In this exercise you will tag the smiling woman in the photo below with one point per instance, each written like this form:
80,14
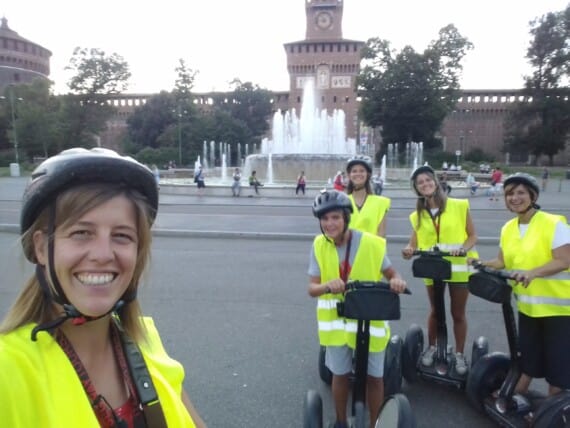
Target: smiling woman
85,223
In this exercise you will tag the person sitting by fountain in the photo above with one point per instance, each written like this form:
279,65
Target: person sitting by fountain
444,184
236,183
471,183
253,181
338,183
369,210
199,180
378,184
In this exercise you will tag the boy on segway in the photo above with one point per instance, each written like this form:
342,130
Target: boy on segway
340,254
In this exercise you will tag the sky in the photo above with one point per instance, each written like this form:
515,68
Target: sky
227,39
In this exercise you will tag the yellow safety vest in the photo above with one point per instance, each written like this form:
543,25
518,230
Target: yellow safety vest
452,234
337,331
40,388
544,297
369,217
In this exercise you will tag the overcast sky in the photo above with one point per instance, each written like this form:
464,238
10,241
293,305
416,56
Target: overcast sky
227,39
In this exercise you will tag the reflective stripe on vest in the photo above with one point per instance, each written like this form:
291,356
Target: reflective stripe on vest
543,297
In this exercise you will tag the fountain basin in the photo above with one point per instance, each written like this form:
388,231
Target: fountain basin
287,166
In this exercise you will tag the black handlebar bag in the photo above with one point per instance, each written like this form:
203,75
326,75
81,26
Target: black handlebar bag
370,304
434,268
489,287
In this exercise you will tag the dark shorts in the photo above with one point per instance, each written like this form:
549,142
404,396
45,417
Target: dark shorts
201,184
544,344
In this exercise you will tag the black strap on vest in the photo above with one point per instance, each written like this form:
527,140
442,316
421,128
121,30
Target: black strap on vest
152,409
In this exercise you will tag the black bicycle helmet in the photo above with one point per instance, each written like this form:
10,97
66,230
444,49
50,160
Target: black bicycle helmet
78,166
365,161
330,200
523,178
422,170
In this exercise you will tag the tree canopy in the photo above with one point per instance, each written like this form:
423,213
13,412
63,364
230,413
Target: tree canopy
408,94
540,125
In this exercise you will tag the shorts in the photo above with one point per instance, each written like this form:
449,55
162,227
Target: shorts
339,361
544,344
201,184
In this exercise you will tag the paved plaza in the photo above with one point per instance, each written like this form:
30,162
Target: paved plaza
235,312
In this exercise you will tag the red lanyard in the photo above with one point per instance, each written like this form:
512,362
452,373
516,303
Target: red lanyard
436,220
103,411
345,267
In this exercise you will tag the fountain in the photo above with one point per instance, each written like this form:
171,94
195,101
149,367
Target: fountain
315,142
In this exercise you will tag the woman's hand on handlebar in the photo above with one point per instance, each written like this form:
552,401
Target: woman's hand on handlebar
336,286
408,252
398,284
458,252
524,278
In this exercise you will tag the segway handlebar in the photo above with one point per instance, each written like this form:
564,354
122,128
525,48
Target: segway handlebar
436,252
500,273
354,285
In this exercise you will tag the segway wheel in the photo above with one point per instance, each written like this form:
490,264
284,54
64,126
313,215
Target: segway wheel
313,410
413,346
396,413
393,366
480,348
486,376
554,412
324,372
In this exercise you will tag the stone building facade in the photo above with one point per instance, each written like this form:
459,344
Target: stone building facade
21,60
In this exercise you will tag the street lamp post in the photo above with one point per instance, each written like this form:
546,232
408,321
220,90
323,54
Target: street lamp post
13,117
14,131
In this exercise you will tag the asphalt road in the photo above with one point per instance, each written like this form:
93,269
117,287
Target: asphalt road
236,312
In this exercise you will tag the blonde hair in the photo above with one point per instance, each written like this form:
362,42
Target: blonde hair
32,305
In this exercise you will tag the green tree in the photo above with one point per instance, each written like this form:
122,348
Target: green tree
540,125
85,110
408,94
38,122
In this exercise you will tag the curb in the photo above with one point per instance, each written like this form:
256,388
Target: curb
222,234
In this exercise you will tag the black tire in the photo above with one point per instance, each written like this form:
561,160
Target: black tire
486,376
324,372
360,415
393,366
480,348
396,413
313,410
412,349
554,412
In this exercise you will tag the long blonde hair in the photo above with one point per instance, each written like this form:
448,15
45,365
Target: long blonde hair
32,305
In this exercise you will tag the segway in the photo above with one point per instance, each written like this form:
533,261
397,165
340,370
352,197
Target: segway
365,302
492,381
431,264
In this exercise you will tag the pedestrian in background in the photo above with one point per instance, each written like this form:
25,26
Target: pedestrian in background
545,175
301,180
236,183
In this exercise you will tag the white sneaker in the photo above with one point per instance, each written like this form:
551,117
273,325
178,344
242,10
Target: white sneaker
460,363
427,357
